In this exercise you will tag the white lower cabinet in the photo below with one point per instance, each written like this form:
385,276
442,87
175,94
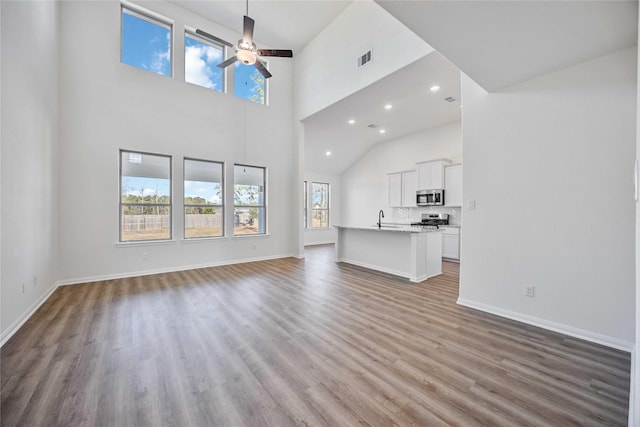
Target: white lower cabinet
451,243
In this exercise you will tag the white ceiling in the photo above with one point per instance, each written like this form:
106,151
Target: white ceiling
496,43
501,43
279,24
415,108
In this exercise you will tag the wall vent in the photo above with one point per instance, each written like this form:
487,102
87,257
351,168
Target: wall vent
364,59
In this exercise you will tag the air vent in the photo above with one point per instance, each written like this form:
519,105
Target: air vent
450,99
363,59
372,126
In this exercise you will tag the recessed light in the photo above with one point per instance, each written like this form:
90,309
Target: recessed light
434,88
383,131
388,107
351,121
328,153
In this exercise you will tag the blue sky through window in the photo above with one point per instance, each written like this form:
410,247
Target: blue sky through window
249,83
210,191
146,45
142,186
200,64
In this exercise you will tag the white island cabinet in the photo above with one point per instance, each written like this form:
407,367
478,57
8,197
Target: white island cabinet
410,252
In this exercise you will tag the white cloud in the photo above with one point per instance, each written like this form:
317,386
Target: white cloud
161,59
199,63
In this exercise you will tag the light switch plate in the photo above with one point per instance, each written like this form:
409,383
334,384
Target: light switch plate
471,205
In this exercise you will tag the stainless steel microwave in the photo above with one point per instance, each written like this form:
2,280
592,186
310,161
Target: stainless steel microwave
430,197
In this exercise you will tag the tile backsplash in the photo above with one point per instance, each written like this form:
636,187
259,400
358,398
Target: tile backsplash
407,215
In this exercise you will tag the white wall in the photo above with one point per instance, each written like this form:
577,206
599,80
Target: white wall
365,184
326,69
29,156
549,163
106,105
318,236
634,392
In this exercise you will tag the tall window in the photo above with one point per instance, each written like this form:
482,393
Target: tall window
146,42
203,199
320,205
306,202
249,195
249,84
145,196
200,62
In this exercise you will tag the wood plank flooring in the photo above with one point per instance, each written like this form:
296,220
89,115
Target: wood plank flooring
297,342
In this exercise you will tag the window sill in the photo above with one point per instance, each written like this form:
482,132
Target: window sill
319,228
145,243
252,236
203,240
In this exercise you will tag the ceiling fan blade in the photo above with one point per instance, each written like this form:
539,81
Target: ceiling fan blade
247,30
260,66
228,62
283,53
214,38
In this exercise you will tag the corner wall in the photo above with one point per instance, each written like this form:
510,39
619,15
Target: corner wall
549,163
29,86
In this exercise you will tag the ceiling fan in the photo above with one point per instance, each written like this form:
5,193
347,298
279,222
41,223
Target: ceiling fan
246,51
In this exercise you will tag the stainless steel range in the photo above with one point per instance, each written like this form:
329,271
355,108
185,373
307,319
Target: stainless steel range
432,220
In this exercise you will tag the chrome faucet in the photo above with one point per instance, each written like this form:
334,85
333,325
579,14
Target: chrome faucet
380,215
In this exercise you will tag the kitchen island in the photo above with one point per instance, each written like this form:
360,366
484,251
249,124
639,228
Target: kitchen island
411,252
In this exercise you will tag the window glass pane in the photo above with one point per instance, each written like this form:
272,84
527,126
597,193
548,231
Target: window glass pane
145,223
145,196
249,83
200,63
320,219
146,43
249,200
203,199
248,221
319,205
320,195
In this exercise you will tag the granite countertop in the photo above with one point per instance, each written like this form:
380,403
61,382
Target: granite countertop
401,228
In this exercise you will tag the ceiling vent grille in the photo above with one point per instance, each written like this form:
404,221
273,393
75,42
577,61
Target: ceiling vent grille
364,59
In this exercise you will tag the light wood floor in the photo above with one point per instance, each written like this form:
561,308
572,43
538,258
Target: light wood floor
297,342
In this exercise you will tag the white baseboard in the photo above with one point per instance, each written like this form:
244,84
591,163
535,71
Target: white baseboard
326,242
17,324
605,340
114,276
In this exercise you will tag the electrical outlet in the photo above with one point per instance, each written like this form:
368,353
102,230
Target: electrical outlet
145,255
471,205
529,291
253,246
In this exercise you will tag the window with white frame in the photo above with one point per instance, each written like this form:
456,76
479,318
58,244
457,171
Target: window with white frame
145,196
201,58
319,205
146,41
249,200
203,198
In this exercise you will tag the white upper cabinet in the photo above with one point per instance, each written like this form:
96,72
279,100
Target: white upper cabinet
431,175
409,189
402,189
395,190
453,186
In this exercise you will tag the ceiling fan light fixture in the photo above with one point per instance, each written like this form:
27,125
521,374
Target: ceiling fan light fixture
246,57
